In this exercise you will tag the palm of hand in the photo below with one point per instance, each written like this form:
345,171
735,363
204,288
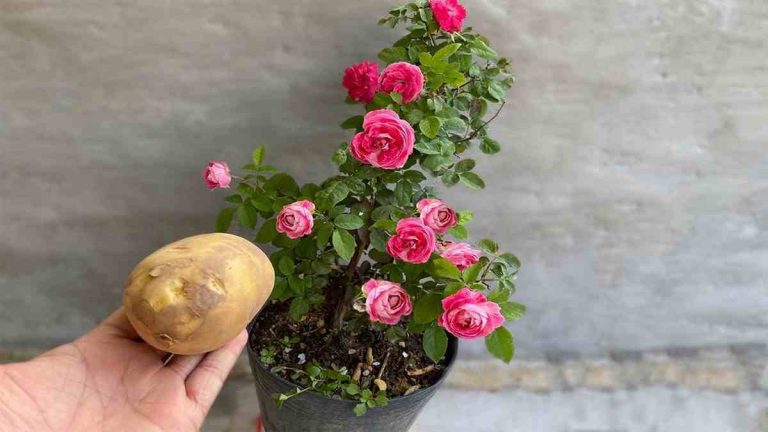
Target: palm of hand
111,380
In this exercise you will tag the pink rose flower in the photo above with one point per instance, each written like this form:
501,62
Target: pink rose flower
385,142
413,241
436,215
386,301
468,314
216,175
403,78
449,14
295,219
461,254
361,80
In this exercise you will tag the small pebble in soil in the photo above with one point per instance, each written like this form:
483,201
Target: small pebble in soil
401,343
405,354
376,363
302,358
366,372
352,351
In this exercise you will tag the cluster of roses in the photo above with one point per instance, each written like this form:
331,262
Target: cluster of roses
386,142
466,314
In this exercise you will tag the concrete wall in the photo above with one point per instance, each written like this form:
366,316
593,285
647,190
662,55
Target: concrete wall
633,182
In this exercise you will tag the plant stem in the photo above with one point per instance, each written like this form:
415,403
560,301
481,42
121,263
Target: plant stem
349,288
476,131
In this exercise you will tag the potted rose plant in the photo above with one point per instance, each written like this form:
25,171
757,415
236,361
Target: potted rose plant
375,282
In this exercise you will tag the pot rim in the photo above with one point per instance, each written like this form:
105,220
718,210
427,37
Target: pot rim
450,355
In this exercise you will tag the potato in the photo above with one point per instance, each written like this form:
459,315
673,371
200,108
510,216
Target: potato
194,295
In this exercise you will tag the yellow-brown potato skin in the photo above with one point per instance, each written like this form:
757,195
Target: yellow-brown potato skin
196,294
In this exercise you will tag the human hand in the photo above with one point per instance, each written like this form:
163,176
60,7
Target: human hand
111,380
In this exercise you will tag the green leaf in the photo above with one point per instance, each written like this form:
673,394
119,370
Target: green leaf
280,291
396,97
414,116
414,176
449,178
234,199
435,342
340,156
425,59
262,202
427,308
442,268
247,215
496,91
512,262
512,311
282,182
324,231
453,288
286,265
489,146
431,147
267,232
352,389
489,246
258,155
224,220
403,192
465,217
445,52
459,231
479,48
454,124
385,224
472,180
379,240
435,162
344,244
354,122
500,344
299,307
348,221
360,409
470,274
391,55
331,195
430,126
464,165
499,295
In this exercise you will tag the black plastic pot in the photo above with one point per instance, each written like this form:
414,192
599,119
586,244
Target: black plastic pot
317,413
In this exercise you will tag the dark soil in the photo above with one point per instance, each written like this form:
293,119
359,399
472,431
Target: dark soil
406,367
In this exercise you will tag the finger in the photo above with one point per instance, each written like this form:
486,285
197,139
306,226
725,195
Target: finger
182,366
205,382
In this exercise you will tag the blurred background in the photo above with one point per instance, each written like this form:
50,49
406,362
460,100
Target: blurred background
632,183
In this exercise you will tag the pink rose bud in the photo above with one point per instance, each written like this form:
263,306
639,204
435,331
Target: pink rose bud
361,80
436,215
295,219
461,254
468,314
403,78
449,14
386,301
216,175
385,142
413,241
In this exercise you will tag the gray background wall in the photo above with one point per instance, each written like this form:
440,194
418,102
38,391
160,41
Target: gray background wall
633,181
